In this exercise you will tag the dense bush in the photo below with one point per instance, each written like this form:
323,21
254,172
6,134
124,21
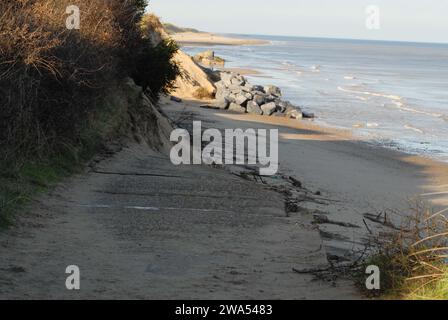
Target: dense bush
51,78
148,75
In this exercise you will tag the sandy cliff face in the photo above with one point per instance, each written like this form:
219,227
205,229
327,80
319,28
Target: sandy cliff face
146,122
128,115
192,79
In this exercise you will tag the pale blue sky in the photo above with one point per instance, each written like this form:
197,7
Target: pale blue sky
405,20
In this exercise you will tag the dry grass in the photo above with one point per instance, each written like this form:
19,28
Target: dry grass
203,94
51,77
150,23
53,80
414,261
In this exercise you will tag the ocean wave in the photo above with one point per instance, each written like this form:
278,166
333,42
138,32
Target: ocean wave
323,93
396,100
410,127
403,107
292,67
288,64
374,94
315,68
444,117
370,125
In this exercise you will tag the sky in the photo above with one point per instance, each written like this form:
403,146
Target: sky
400,20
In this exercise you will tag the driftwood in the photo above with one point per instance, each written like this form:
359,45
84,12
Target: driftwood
367,226
296,183
385,222
320,219
311,271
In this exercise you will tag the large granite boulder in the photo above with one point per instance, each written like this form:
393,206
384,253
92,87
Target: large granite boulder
270,98
237,108
222,94
222,103
258,88
269,108
235,88
281,106
248,87
226,78
238,82
254,108
308,115
241,99
259,99
273,90
294,113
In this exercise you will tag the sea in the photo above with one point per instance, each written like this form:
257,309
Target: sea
391,93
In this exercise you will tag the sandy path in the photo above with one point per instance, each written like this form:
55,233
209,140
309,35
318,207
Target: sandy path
362,179
140,228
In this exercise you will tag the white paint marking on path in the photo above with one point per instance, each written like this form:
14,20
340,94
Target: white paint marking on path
101,206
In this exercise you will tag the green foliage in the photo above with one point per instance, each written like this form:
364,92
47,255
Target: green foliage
53,82
171,29
154,68
436,290
17,186
413,261
51,78
393,273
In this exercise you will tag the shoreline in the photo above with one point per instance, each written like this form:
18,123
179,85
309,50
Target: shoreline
191,39
419,175
355,179
390,144
358,180
435,169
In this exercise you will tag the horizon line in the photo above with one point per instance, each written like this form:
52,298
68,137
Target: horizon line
330,38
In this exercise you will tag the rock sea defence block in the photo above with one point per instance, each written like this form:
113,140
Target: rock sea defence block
235,93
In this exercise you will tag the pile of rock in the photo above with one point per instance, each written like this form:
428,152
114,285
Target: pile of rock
208,59
235,93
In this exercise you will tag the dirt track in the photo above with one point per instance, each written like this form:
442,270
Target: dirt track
140,228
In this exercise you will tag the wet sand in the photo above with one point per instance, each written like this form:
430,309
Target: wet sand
358,177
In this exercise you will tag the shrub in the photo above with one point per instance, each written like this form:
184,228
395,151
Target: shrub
154,68
150,23
202,94
51,78
414,261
